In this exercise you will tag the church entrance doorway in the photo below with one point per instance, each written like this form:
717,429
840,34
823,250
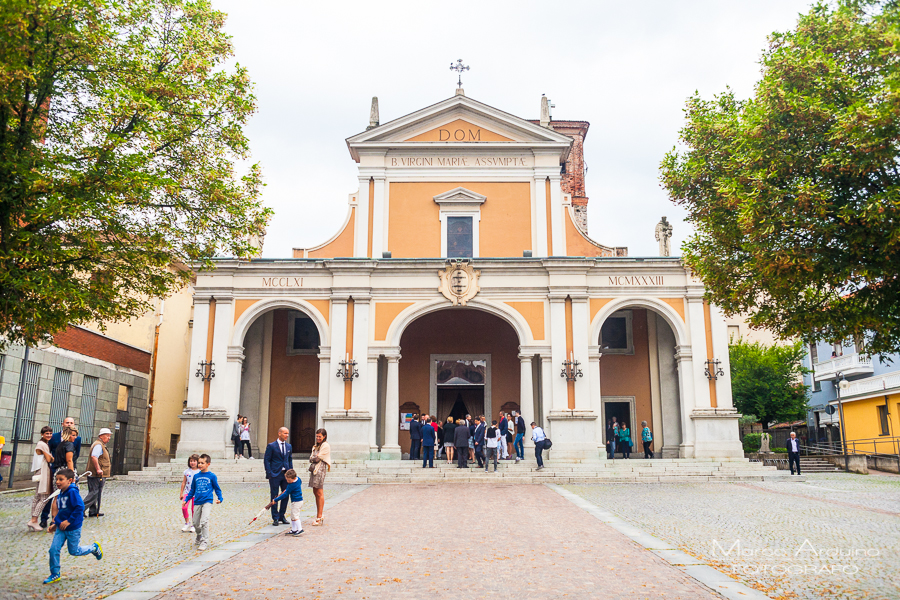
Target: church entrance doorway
302,426
457,402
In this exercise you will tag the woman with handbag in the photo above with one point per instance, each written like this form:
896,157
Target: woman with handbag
647,439
319,464
625,440
40,466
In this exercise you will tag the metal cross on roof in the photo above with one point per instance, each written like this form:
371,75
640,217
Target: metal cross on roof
459,67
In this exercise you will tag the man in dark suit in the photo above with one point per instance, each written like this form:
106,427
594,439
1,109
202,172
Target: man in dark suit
415,437
793,448
429,435
461,441
278,459
479,441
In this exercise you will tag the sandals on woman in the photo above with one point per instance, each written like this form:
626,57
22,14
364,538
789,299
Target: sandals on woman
319,521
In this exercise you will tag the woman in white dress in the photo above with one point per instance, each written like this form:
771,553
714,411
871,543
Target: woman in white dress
40,466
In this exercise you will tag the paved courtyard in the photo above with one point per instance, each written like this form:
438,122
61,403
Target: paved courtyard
141,536
851,522
466,541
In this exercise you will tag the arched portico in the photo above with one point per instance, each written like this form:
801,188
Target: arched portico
279,380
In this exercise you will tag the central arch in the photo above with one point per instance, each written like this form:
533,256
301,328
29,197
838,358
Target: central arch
458,361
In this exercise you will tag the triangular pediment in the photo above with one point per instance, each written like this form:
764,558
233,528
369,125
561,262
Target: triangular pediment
460,195
459,130
459,120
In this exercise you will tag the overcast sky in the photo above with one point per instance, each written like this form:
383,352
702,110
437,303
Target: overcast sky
626,67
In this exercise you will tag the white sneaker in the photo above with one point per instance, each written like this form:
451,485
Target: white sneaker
252,458
203,547
193,530
187,527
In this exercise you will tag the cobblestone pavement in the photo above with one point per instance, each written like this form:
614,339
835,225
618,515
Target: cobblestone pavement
757,532
140,533
448,541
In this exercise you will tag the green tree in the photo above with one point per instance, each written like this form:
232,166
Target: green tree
794,194
767,380
120,125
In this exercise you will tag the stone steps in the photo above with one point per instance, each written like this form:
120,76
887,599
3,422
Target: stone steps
509,472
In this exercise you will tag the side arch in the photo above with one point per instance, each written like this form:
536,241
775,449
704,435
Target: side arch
263,306
410,314
667,312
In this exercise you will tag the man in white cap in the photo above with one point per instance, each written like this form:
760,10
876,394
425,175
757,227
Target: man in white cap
99,466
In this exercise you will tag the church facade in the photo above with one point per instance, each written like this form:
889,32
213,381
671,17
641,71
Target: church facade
463,281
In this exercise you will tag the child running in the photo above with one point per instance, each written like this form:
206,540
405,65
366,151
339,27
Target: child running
185,488
294,491
202,488
68,509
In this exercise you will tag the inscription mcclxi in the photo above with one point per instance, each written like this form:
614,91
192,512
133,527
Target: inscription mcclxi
458,161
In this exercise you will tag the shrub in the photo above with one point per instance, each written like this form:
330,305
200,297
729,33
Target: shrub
752,442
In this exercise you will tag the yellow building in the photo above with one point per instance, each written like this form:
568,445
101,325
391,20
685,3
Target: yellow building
462,281
871,416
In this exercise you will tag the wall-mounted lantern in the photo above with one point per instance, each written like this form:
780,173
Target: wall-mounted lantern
348,370
713,370
206,371
571,369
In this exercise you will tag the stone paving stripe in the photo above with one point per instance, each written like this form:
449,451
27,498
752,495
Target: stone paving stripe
171,577
678,558
828,500
708,576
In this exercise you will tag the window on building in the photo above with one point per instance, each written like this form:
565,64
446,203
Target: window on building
59,400
173,444
734,333
460,237
813,359
303,335
616,334
89,387
124,397
883,419
25,424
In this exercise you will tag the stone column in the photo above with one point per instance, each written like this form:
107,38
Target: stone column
338,353
557,225
361,234
560,398
686,379
526,384
378,241
231,397
391,448
596,396
540,214
372,396
326,375
198,352
580,326
697,326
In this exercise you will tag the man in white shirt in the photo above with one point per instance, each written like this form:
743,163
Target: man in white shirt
538,437
793,448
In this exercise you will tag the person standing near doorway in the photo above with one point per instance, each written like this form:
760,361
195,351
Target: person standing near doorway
100,470
625,440
479,441
793,448
428,438
278,461
610,440
236,436
471,426
461,439
415,437
538,437
503,425
68,423
491,439
518,444
647,439
449,428
245,438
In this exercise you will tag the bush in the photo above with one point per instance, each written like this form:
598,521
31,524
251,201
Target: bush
752,442
779,450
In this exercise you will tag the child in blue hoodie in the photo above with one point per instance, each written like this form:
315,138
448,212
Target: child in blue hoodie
294,491
69,510
203,486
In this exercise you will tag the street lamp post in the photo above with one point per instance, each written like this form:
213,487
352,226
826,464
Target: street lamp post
843,384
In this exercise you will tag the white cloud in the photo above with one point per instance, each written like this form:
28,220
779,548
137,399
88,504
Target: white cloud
627,68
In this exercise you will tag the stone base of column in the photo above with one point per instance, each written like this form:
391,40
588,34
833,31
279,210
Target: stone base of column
716,431
203,432
387,453
348,434
670,452
574,436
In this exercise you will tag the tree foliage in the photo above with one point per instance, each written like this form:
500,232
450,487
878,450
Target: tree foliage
120,125
767,380
795,193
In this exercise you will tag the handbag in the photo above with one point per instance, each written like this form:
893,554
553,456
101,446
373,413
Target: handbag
547,443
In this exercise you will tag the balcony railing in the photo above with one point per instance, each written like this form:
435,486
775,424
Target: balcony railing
872,384
849,365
